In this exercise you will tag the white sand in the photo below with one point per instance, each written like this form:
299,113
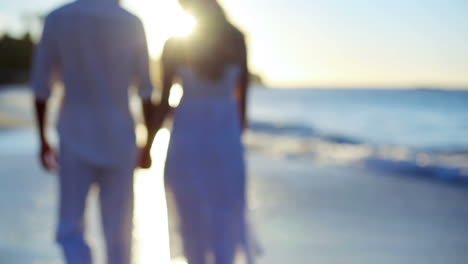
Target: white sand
308,214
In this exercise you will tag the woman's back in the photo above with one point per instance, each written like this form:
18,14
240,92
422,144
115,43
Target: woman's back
196,86
207,118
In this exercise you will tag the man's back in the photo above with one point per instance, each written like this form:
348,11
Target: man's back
98,49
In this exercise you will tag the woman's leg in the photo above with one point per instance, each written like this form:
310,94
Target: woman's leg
192,224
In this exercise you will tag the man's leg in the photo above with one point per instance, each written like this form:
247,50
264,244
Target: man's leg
75,180
116,201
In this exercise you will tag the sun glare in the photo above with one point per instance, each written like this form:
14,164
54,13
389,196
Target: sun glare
162,19
176,95
151,225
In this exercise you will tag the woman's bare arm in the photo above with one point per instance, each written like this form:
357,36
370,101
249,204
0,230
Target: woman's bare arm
242,88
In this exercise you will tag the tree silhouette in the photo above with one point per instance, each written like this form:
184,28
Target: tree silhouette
15,58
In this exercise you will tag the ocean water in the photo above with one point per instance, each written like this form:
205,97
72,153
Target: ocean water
414,132
411,132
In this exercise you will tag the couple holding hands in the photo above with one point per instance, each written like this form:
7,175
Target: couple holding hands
99,50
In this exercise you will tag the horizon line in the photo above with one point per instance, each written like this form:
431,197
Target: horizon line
368,87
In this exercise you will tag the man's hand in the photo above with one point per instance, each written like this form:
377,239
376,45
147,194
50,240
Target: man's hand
144,159
49,157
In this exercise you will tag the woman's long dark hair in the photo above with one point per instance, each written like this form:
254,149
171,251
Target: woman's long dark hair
215,44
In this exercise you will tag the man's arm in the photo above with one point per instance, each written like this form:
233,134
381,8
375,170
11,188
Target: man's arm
160,112
48,156
41,110
44,67
143,77
145,91
155,115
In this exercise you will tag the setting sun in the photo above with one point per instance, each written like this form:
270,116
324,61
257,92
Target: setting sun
162,19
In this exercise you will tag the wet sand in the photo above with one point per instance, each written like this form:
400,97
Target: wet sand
343,215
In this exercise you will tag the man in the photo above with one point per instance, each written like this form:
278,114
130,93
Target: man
98,49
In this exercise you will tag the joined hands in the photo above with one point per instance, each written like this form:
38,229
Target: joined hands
156,121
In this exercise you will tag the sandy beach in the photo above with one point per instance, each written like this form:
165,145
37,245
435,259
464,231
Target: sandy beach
302,212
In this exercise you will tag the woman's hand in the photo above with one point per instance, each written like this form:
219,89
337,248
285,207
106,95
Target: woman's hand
144,159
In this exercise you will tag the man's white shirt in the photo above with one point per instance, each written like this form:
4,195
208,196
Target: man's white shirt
98,50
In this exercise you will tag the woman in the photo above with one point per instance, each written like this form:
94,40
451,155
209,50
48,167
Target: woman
205,170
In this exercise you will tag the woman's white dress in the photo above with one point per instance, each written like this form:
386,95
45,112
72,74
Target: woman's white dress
205,169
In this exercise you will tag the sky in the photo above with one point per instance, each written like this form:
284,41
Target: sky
321,43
